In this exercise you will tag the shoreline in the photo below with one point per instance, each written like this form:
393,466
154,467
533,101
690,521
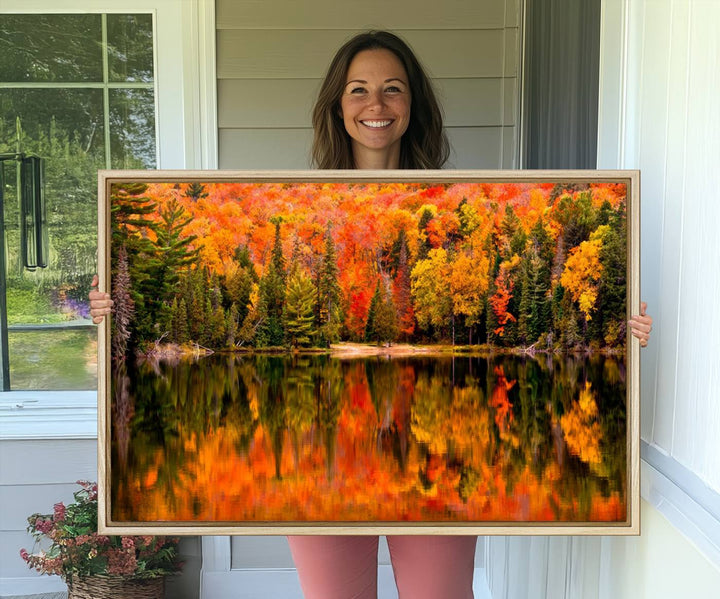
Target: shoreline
345,350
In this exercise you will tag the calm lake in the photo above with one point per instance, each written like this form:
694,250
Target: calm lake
254,438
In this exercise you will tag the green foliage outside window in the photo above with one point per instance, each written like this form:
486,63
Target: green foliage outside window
76,90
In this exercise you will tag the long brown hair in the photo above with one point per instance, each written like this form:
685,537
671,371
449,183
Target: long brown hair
424,145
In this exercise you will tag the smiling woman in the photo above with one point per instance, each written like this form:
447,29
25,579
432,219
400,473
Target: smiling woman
375,77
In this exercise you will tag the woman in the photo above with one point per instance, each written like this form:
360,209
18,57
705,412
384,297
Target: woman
377,110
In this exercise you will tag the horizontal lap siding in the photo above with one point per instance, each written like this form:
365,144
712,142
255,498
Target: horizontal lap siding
34,476
396,15
271,57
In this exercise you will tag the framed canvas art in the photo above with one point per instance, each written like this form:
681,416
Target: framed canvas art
369,352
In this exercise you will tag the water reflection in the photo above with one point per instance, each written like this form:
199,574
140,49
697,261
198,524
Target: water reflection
317,438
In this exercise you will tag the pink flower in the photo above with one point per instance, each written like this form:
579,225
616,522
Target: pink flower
121,562
128,543
25,555
43,526
59,509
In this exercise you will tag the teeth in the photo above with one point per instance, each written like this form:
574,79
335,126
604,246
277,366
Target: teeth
376,124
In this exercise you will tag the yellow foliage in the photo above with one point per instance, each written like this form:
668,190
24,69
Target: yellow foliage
581,428
511,263
583,270
468,283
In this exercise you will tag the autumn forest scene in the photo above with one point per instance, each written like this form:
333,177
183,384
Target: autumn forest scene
339,351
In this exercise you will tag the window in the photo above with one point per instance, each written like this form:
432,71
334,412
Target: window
78,90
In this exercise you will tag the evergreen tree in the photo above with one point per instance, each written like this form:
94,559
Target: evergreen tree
610,326
535,310
195,191
272,296
329,296
180,331
509,226
277,254
402,292
216,326
382,321
174,249
370,331
386,319
299,311
123,307
577,217
232,325
425,245
130,228
270,308
239,284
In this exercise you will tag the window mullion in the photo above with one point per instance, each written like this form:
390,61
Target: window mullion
106,90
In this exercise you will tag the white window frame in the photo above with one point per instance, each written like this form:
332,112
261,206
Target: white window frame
186,131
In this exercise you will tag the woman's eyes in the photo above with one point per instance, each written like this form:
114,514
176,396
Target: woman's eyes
391,89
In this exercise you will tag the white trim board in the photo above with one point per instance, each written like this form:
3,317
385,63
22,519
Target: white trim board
693,508
43,415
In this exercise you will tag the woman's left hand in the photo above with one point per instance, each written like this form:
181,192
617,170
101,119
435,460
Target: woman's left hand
641,325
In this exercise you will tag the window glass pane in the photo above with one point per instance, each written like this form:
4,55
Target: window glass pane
65,127
132,128
37,48
130,47
55,359
53,344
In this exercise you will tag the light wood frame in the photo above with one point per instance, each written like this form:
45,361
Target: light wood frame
630,526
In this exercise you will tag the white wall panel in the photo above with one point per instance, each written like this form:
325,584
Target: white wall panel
697,422
652,117
671,234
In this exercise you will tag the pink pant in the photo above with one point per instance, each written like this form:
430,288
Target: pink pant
425,567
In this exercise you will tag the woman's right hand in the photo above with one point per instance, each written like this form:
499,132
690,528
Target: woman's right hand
100,303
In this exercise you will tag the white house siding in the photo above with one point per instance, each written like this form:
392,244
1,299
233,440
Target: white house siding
34,475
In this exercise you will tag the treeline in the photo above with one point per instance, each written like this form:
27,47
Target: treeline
513,287
487,278
163,292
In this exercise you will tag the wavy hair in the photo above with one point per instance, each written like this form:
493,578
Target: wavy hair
423,146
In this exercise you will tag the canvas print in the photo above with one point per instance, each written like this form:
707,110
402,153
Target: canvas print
449,351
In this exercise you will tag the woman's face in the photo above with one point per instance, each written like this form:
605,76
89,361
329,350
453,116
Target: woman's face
375,108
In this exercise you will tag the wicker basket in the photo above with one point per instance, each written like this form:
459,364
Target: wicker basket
116,587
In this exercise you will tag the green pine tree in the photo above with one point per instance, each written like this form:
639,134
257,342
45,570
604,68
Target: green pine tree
299,310
328,311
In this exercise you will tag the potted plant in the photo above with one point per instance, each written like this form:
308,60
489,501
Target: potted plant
95,566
